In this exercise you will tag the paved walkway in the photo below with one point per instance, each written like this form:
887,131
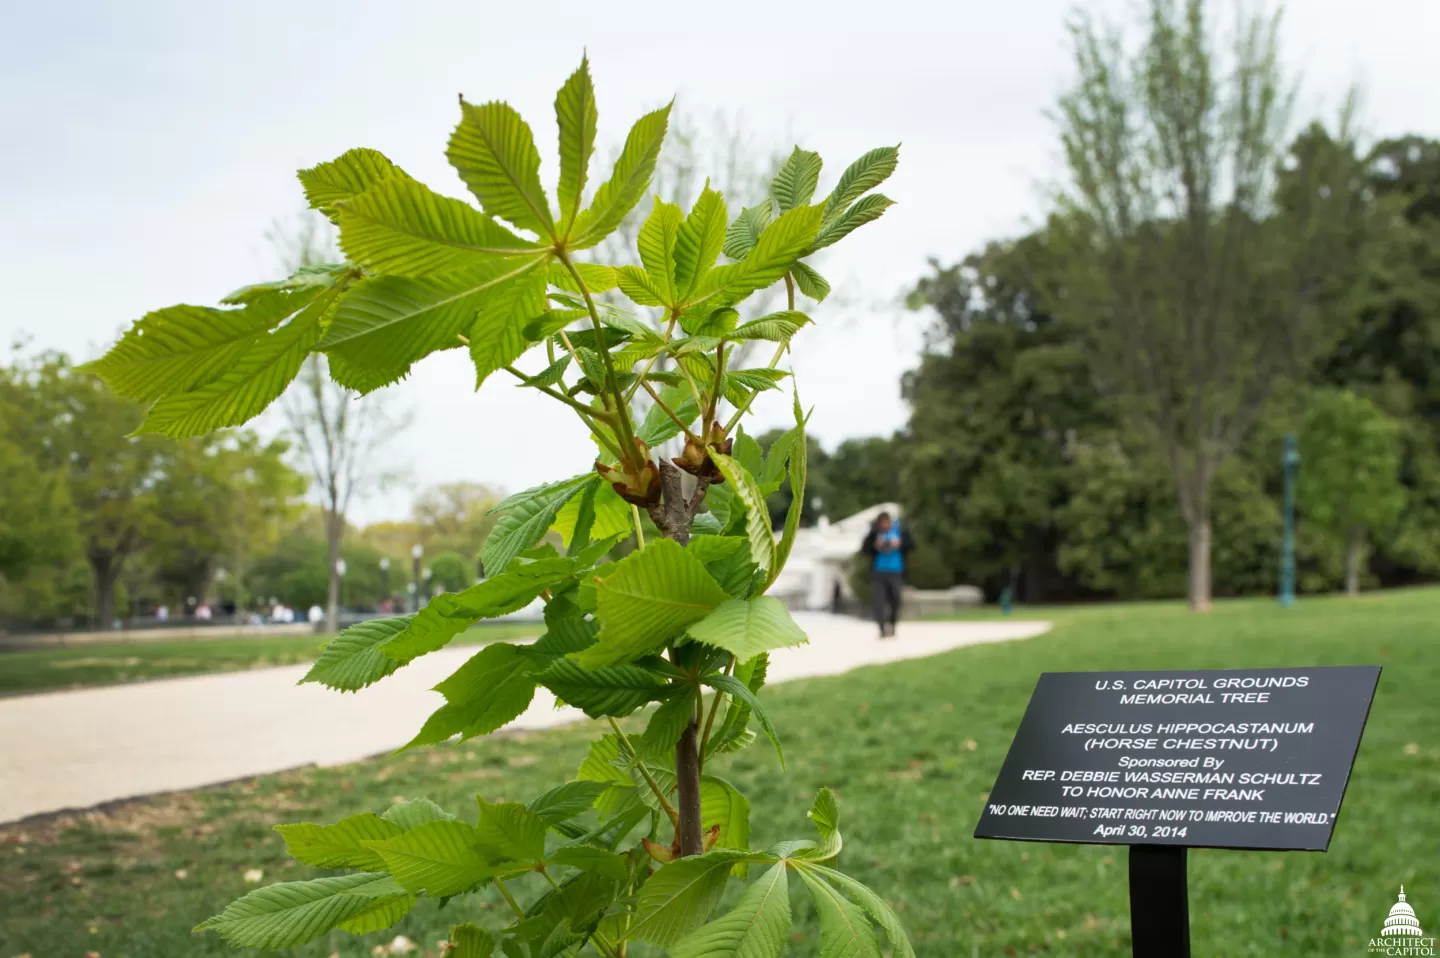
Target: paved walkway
76,749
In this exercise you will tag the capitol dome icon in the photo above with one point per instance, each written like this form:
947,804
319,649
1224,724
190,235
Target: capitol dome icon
1402,921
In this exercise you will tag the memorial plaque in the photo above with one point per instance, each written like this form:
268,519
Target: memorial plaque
1233,758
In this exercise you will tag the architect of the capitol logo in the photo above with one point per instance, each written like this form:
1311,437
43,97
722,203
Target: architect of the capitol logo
1401,934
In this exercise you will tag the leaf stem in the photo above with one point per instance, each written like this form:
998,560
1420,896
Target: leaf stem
587,411
669,331
710,722
639,532
640,764
719,378
514,905
630,456
668,411
774,360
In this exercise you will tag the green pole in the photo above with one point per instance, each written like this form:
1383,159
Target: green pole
1291,462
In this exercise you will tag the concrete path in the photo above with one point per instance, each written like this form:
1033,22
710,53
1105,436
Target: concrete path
64,750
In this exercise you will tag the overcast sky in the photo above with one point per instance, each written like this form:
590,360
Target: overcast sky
145,147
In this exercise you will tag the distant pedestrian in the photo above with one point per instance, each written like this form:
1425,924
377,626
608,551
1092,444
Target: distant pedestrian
887,545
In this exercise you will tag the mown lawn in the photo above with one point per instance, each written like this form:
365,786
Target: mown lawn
43,670
911,749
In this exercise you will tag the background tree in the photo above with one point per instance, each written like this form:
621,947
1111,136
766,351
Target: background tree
454,517
1204,264
451,572
1349,482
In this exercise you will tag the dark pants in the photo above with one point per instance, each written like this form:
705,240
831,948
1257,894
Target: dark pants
885,593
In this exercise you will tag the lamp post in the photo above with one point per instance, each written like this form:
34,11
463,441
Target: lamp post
416,551
1290,460
384,579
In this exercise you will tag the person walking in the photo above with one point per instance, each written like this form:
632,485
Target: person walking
887,545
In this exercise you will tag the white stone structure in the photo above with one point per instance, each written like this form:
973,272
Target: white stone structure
1402,921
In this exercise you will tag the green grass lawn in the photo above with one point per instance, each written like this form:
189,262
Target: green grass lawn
44,670
911,749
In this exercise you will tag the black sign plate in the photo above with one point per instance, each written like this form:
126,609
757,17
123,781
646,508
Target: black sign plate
1234,758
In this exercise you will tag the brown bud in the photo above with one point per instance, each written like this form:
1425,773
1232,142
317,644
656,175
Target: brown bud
657,851
711,837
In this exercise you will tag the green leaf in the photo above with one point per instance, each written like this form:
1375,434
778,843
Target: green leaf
552,374
646,599
868,209
403,228
598,279
611,514
700,240
727,559
317,276
414,813
747,452
438,859
352,660
565,636
385,324
845,932
339,845
810,283
564,802
656,243
722,804
382,913
681,895
618,195
658,426
577,116
779,456
497,336
638,285
757,515
742,235
349,174
179,348
470,941
666,725
757,927
759,379
777,249
774,327
490,690
617,690
524,518
292,913
604,863
510,832
733,734
799,468
864,174
825,813
874,906
747,627
733,686
795,183
494,152
254,380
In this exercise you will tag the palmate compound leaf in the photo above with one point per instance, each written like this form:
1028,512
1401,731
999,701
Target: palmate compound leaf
494,152
732,686
747,627
795,183
845,931
864,174
385,324
656,243
352,660
292,913
699,241
782,243
400,227
492,689
646,599
437,859
617,196
176,349
757,514
339,845
524,519
757,927
510,832
616,690
576,116
350,174
251,382
681,895
873,904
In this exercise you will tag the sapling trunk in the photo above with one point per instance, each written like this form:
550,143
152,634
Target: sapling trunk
687,781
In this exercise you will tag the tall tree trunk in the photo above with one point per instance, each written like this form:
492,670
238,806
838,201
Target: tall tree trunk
1354,550
104,572
1199,567
334,527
